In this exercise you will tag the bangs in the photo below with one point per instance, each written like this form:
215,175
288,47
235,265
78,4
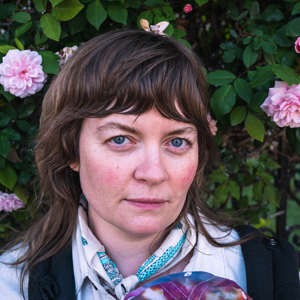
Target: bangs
132,72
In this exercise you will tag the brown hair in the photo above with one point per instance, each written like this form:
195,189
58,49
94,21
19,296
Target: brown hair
127,72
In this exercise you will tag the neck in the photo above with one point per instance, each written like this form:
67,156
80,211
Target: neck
128,253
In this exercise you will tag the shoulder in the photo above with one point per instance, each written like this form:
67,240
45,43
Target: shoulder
10,283
271,265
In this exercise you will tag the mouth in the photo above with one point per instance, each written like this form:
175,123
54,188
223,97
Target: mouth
146,203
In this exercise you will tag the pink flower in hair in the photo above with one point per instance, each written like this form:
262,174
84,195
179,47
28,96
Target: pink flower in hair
297,45
212,124
10,202
283,104
65,54
188,8
21,73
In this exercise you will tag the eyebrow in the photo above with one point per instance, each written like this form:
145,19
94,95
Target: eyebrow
123,127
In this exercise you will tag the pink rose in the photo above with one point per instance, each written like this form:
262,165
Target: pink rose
21,72
188,8
10,202
212,124
297,45
283,104
65,54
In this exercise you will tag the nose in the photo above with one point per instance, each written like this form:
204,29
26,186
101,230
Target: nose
150,167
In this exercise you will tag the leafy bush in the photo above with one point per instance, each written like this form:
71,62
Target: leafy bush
246,45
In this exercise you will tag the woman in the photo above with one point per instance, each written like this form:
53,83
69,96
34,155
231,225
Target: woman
121,152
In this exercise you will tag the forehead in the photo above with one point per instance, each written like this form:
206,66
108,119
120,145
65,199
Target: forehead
151,121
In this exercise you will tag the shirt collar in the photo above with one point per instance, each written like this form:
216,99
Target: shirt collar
85,259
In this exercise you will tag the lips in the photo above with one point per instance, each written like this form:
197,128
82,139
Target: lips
146,203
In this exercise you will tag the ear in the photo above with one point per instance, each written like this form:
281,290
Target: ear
74,167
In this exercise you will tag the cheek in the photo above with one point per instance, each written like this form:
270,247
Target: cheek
187,176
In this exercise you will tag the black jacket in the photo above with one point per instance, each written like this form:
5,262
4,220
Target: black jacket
271,270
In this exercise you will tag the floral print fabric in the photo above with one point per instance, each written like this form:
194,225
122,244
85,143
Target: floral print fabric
189,286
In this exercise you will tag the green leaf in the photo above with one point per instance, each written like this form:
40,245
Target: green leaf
233,34
40,5
11,134
66,10
272,165
201,2
24,176
11,111
220,77
21,17
273,16
178,33
40,38
232,11
243,15
255,127
4,119
151,3
8,176
23,125
234,190
169,30
229,56
96,14
184,42
50,62
168,11
117,12
135,3
218,176
78,23
55,2
4,145
227,46
51,27
243,89
269,46
263,75
221,194
257,189
257,101
287,74
249,56
26,110
21,192
4,49
254,10
256,43
287,58
237,115
147,15
223,100
19,44
293,28
6,10
247,40
22,29
266,177
281,40
2,162
272,195
296,9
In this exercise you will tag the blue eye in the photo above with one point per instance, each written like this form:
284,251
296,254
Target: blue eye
177,142
119,139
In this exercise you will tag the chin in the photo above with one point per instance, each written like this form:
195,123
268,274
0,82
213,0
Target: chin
145,229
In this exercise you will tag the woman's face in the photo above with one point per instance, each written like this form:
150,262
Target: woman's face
136,171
